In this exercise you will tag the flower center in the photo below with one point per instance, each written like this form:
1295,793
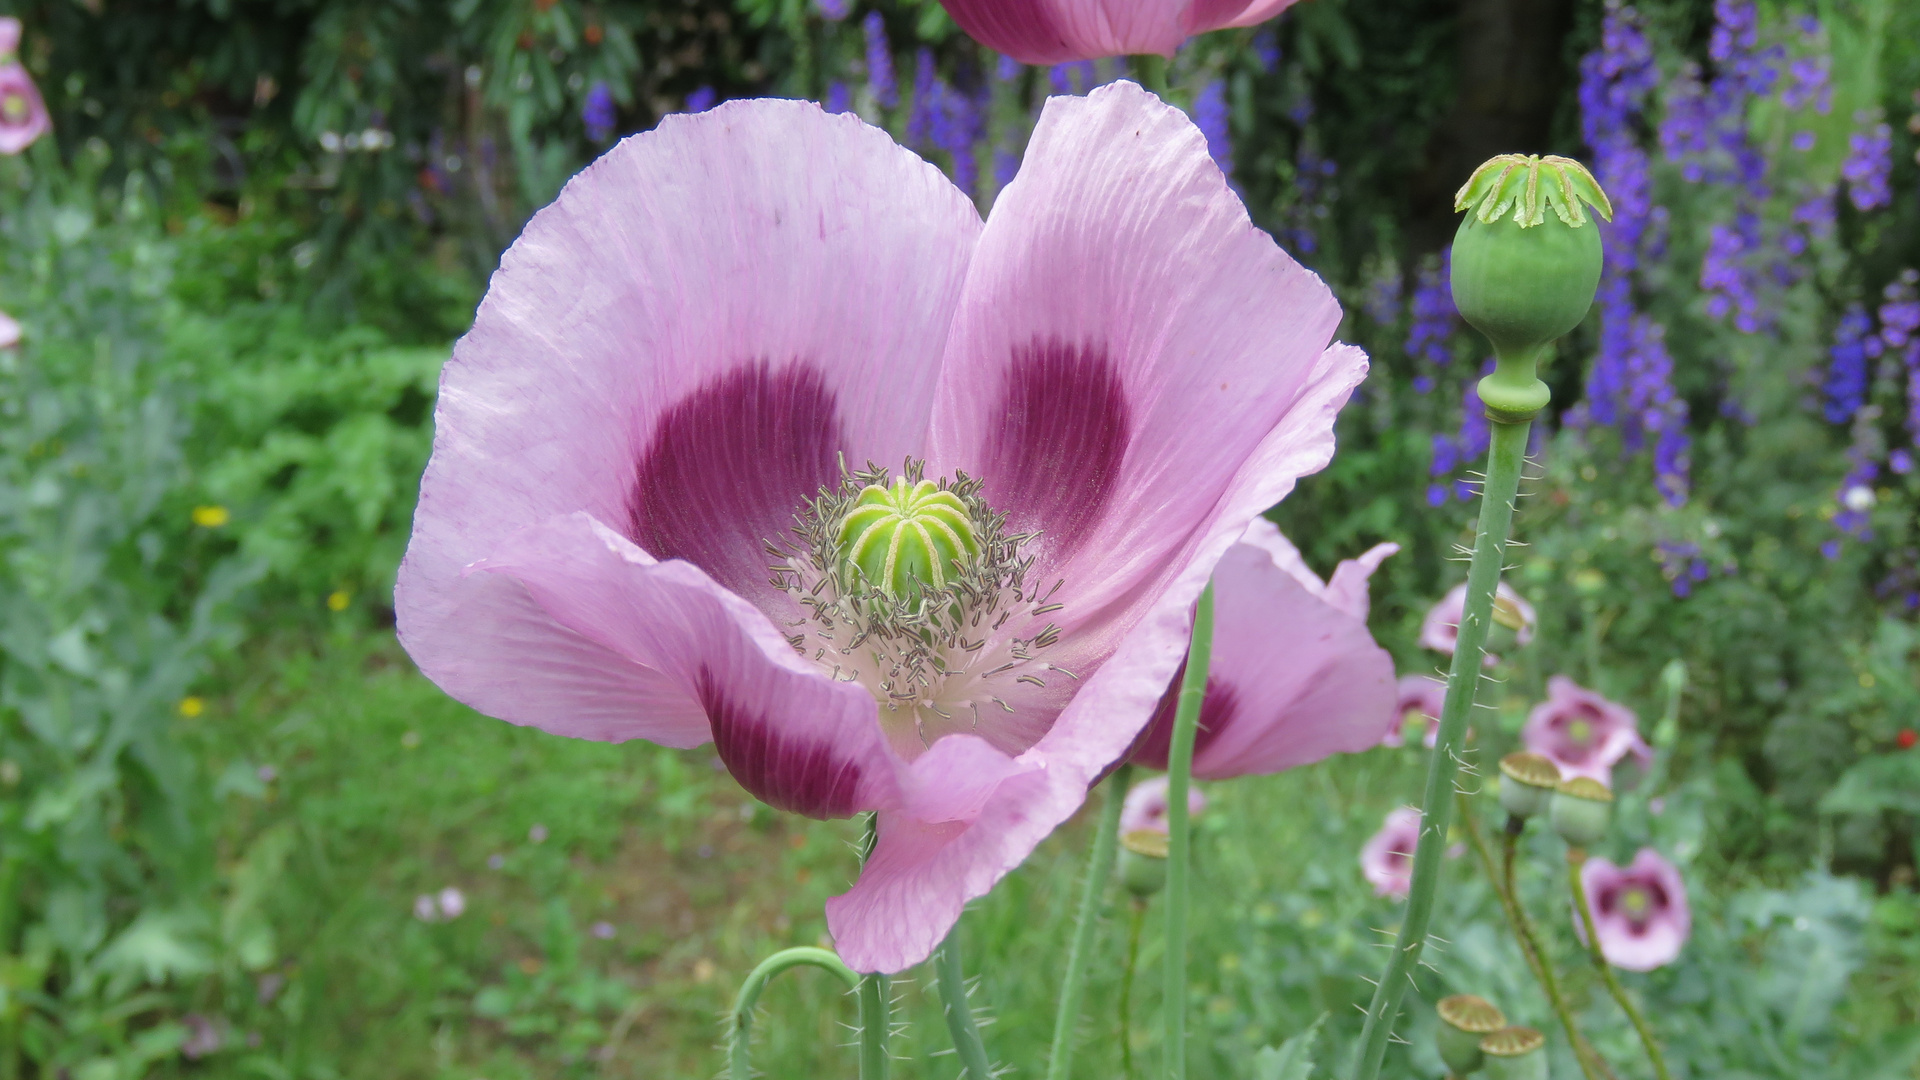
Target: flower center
1636,902
1580,731
13,107
914,589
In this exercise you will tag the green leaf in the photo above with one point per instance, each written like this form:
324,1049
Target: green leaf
1291,1060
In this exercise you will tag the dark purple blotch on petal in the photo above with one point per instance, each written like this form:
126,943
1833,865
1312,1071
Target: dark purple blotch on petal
727,466
1217,710
1063,425
797,775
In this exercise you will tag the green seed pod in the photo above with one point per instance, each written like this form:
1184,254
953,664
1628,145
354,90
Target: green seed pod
1515,1053
1527,781
1143,862
903,537
1464,1021
1581,810
1527,277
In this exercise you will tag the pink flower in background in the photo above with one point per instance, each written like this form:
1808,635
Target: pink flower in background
23,115
1420,700
1146,807
1583,733
1386,860
1639,911
1056,31
9,331
1440,630
629,528
1295,676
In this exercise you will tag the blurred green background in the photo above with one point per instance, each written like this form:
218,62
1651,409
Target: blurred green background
225,795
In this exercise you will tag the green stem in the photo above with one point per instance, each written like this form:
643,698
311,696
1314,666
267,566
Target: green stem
1505,455
1151,70
1576,857
1186,721
1136,920
740,1024
1523,932
960,1024
1099,871
874,1022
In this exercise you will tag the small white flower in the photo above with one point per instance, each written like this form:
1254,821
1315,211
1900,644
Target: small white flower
424,908
1859,498
452,902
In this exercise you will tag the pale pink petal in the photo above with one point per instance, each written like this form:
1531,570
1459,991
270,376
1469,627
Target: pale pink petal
1055,31
1386,859
1440,630
1120,302
1347,588
682,346
1582,732
1145,808
793,737
9,331
1640,911
1294,678
23,114
9,36
1257,12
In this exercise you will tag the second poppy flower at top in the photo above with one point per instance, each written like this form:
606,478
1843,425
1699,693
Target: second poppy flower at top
1056,31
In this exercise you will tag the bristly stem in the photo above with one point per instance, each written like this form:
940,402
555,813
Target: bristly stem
1537,959
1505,455
960,1023
1151,70
1576,858
875,1021
740,1024
1099,871
1186,721
1135,921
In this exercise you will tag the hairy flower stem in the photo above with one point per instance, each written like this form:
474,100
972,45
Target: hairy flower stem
1186,721
1576,858
1505,455
875,1022
1099,871
1135,920
960,1023
740,1023
1152,72
1523,932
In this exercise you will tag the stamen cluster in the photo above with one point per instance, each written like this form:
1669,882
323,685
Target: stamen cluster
934,653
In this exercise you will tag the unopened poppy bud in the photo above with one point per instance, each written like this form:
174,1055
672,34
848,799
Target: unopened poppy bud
1581,810
1515,1053
1143,862
1526,262
905,536
1527,782
1464,1020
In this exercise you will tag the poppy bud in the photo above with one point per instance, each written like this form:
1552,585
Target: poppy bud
1527,782
1526,262
1515,1053
1143,862
1464,1021
1581,810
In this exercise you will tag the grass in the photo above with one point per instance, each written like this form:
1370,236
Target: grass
615,896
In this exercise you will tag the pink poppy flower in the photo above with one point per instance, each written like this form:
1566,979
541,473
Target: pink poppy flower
23,115
1639,910
1420,699
1386,860
1440,630
1583,733
1295,676
630,525
1146,807
1055,31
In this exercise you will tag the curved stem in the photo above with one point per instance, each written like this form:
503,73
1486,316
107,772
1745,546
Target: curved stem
960,1024
1505,454
1186,721
1099,871
740,1024
1136,920
1576,858
1523,932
